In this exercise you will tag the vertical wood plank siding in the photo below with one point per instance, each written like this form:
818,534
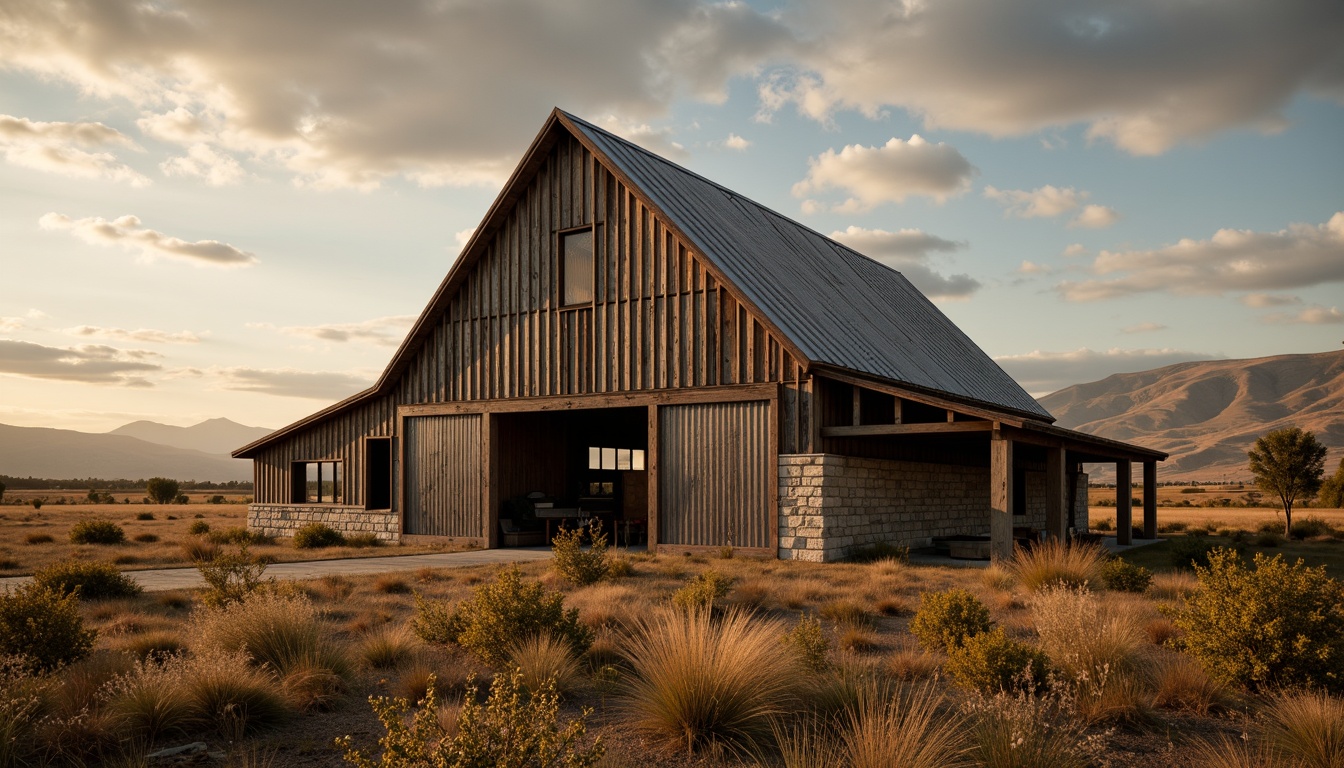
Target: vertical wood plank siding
659,320
715,474
443,481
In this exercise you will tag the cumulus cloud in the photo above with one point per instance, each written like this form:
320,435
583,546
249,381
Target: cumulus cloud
1032,268
147,335
1047,201
909,251
888,174
127,233
1263,300
1041,372
64,148
216,168
1095,217
382,331
1232,260
88,363
1076,249
316,385
736,142
1148,327
1313,315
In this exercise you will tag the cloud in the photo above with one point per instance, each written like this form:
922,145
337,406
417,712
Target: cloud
1076,249
126,232
1232,260
88,363
382,331
1096,217
1262,300
218,170
1143,75
463,237
656,140
909,251
736,142
314,385
141,334
180,126
1042,202
1042,372
1148,327
1313,315
1032,268
889,173
63,148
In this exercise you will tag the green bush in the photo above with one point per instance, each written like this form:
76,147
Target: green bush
88,579
237,535
231,577
216,499
1123,576
702,590
316,536
1267,539
162,490
946,619
500,614
573,563
1190,551
1270,625
808,641
145,516
43,626
198,528
362,540
96,531
1103,525
1310,528
992,661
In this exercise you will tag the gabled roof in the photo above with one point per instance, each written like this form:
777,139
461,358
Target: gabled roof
839,307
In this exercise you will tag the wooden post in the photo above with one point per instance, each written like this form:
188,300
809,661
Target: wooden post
1150,499
652,466
857,406
896,411
490,480
1000,497
1055,489
1124,501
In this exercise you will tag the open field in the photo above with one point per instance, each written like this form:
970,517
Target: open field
20,525
1248,518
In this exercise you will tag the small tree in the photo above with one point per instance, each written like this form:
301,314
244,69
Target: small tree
1288,463
161,490
1331,495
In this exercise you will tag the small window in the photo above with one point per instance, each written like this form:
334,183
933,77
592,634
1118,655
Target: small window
616,458
318,482
576,267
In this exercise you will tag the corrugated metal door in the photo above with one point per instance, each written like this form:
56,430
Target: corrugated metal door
714,474
443,475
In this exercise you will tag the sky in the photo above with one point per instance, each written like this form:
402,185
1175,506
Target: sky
237,208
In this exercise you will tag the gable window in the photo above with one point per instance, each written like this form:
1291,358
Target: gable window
317,482
576,267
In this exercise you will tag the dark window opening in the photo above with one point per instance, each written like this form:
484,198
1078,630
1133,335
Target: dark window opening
1019,493
318,482
576,267
378,484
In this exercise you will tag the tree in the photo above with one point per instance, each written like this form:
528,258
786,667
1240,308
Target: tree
1288,463
2,491
1331,495
161,490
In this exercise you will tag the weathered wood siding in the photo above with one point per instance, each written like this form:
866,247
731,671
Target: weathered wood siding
339,438
443,476
716,474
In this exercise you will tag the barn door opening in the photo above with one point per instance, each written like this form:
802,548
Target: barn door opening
443,476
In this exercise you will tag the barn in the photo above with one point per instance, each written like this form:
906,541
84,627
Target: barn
627,341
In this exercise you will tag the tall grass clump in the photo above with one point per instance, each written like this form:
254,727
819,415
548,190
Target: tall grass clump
43,627
945,619
1307,727
388,646
1057,562
229,695
96,530
701,682
575,565
1027,729
1267,625
20,709
911,728
151,700
544,661
89,579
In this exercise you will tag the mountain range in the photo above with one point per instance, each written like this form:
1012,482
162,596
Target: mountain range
1208,414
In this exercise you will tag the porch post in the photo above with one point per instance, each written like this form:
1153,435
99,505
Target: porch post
1150,499
1124,500
1055,489
1000,497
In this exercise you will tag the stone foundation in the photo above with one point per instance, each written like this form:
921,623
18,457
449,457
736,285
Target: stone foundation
284,519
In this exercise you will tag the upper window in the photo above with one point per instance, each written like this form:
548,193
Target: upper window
615,458
576,267
318,482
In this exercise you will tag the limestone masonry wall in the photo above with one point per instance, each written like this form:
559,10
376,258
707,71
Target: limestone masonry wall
284,519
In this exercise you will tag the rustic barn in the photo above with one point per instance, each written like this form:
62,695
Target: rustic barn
625,340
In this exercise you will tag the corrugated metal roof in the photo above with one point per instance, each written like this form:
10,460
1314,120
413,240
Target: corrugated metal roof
838,306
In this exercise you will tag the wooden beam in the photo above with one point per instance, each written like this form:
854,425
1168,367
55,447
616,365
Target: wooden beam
896,415
1055,489
1000,498
951,415
857,405
939,427
613,400
1150,499
843,376
1124,502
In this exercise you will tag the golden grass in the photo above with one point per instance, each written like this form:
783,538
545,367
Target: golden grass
910,728
1180,682
545,659
1307,727
1057,562
1082,635
388,646
280,633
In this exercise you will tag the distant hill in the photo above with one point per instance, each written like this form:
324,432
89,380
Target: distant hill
64,453
1208,414
217,436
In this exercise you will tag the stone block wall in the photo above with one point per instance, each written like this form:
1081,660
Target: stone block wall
284,519
830,505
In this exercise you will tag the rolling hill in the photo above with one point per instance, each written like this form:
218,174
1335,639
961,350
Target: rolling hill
217,436
1208,414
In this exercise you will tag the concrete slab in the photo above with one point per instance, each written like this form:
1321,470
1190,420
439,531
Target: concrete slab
166,579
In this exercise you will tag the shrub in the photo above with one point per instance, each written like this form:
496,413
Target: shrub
391,585
231,577
235,535
702,590
1057,562
162,490
1308,728
499,614
363,540
38,538
151,700
808,642
88,579
992,661
146,538
43,626
1268,625
508,731
230,696
96,531
200,550
1080,635
20,709
1120,575
945,619
908,729
1310,528
700,682
573,563
1190,551
1180,682
619,567
882,550
545,661
216,499
155,645
144,516
1026,729
316,536
198,528
1267,539
1103,524
846,612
